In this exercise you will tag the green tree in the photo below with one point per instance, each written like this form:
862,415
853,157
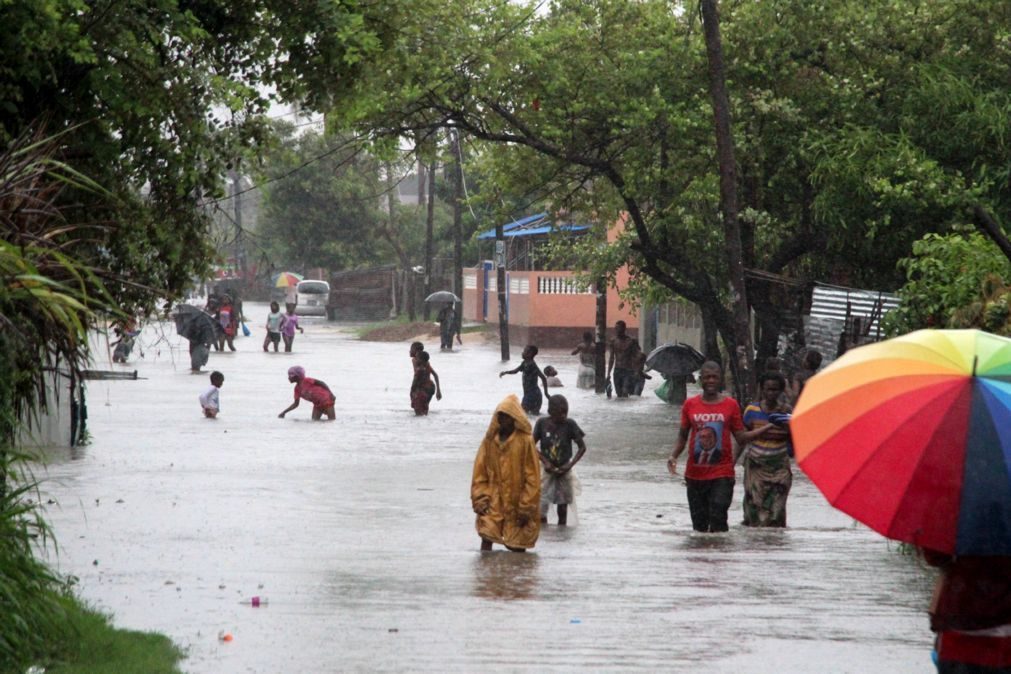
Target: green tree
47,302
958,280
158,98
323,204
601,107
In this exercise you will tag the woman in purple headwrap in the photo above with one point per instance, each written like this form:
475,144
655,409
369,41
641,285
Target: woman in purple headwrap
313,390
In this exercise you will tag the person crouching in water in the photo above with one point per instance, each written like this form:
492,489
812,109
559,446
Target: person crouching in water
556,433
505,490
315,391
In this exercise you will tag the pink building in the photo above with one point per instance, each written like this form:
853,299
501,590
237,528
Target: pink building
544,307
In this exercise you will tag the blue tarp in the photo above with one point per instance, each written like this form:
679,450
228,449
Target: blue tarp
531,225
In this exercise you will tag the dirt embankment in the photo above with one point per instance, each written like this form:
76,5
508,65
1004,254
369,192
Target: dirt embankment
400,332
424,332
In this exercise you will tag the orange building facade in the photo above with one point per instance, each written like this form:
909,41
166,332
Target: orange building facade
545,308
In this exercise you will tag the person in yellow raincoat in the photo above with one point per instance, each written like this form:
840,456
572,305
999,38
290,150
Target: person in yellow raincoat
506,488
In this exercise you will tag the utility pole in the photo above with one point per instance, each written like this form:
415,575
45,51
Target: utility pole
429,236
240,253
457,225
500,283
600,341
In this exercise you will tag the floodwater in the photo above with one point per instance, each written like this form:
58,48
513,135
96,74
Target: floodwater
358,533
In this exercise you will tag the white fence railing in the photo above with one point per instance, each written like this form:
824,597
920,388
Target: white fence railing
560,285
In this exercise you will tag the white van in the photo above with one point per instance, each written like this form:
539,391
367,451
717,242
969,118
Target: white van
313,297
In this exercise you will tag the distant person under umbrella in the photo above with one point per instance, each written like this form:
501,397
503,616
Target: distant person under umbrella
447,324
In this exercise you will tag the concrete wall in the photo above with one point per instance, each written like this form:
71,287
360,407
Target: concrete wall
546,308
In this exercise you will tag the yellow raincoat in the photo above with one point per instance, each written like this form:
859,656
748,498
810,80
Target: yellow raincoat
507,477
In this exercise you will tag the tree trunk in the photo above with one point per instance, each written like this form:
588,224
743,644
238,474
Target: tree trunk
991,228
710,334
739,344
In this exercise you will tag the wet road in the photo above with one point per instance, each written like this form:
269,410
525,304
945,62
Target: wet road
360,536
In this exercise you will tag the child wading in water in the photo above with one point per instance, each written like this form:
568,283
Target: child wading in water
289,324
556,433
209,401
531,373
274,320
505,490
423,388
313,390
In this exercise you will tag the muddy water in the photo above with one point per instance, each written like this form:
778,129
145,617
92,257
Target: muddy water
359,535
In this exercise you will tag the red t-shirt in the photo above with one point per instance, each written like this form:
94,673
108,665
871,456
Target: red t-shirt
308,389
710,444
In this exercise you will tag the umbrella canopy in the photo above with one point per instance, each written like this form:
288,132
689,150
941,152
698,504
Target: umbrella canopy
674,360
442,296
287,279
195,325
912,436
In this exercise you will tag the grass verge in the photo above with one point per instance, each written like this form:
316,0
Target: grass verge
86,643
91,645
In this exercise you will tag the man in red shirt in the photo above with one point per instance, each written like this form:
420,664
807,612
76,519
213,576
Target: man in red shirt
710,420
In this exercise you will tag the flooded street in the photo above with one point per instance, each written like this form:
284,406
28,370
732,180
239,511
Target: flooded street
359,534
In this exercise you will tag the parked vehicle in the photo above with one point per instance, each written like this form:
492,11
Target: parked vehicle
313,297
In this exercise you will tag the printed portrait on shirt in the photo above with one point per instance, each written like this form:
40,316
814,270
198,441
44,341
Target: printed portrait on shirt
706,450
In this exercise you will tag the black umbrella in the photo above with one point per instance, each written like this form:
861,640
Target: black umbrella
195,325
442,296
675,360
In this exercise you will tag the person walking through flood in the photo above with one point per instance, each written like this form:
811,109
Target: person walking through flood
422,387
556,433
273,325
710,421
228,318
971,613
447,324
623,361
505,489
767,474
809,367
587,352
289,324
315,391
532,399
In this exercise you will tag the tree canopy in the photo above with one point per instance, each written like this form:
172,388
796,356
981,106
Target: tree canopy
157,99
859,126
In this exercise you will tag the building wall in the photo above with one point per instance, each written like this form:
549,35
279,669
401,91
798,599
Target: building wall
545,308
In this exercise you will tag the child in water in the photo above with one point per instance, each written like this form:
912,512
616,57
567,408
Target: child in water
288,326
274,320
505,489
556,433
315,391
531,373
423,388
209,400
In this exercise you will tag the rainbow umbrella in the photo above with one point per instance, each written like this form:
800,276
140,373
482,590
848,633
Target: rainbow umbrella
287,279
912,436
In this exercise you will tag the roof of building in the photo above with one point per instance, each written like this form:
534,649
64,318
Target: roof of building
531,225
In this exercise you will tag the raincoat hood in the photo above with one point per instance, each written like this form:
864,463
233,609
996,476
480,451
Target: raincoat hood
511,406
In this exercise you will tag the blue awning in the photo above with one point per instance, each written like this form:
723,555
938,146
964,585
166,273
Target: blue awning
531,226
